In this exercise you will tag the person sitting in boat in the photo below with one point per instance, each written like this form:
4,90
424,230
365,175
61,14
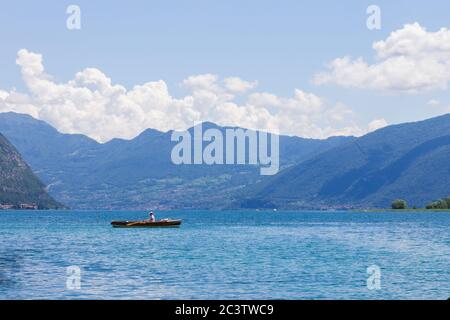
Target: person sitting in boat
152,217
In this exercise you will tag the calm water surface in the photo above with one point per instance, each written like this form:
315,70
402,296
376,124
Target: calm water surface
225,255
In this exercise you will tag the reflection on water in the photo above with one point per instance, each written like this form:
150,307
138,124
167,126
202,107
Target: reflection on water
225,255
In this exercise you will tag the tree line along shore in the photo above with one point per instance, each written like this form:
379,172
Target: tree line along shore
441,204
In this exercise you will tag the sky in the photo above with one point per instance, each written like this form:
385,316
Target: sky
305,68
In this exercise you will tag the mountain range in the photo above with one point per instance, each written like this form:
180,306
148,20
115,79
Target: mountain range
19,187
137,173
409,161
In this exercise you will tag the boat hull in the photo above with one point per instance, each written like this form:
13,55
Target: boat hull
146,224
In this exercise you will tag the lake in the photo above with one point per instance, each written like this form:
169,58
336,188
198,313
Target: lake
226,255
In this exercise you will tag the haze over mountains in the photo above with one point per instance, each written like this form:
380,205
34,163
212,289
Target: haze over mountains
19,187
137,173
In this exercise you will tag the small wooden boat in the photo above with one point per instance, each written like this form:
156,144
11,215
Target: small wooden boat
147,224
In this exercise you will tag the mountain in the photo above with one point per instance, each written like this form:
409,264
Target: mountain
137,173
408,161
19,187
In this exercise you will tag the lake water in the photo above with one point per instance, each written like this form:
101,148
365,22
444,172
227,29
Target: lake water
226,255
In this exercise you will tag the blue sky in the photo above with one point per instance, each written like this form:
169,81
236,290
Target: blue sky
279,44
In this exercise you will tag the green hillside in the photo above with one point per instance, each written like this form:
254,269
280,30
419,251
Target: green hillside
408,161
136,173
19,187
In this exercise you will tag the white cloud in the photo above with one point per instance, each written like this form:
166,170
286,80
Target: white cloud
91,104
202,81
3,95
410,60
264,99
235,84
377,124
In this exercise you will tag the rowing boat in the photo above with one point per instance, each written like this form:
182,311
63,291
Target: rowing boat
146,224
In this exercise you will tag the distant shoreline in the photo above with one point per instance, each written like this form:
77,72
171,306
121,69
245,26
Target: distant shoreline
423,210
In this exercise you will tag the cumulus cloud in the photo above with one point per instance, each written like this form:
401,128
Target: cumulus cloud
3,95
377,124
92,104
235,84
410,60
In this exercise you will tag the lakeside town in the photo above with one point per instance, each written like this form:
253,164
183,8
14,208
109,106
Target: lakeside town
22,206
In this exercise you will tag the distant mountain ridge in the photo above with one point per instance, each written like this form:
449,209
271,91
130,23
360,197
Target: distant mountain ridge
19,187
410,161
137,173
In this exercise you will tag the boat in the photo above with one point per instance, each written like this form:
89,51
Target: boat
166,223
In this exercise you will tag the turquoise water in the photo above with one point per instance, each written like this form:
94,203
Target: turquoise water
226,255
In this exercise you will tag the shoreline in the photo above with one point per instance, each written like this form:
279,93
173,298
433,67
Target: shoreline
403,210
243,210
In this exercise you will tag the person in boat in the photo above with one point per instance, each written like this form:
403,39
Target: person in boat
152,217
